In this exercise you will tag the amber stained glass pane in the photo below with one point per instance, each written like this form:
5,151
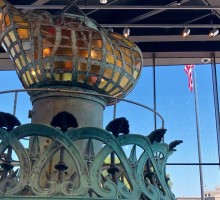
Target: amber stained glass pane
136,54
17,48
128,42
66,65
23,33
96,44
64,51
29,77
119,63
47,52
135,74
109,48
123,82
102,84
7,20
92,80
110,59
83,53
82,67
95,69
24,80
12,52
116,76
128,69
18,64
22,60
7,42
116,90
96,55
117,53
117,36
109,87
81,77
108,72
12,36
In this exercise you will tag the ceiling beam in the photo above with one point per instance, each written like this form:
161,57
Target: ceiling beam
117,7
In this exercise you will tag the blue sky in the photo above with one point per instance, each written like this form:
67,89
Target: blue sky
175,103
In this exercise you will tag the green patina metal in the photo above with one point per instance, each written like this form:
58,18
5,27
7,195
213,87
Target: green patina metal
141,174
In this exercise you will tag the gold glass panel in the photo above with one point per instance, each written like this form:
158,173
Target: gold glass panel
81,78
28,57
109,48
117,53
136,54
17,48
108,72
82,67
96,55
26,45
22,60
116,76
7,20
33,73
127,51
67,65
128,60
24,79
23,33
135,74
116,90
17,18
110,59
128,42
80,43
12,52
38,71
96,44
7,41
12,36
128,69
29,77
47,65
83,53
48,75
0,16
63,76
109,87
47,52
119,63
137,65
127,87
64,51
18,64
117,36
102,84
92,80
95,69
57,76
123,82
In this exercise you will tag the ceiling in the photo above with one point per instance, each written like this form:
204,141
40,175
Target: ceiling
155,26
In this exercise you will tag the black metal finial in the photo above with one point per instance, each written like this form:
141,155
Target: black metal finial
8,121
117,126
156,135
64,120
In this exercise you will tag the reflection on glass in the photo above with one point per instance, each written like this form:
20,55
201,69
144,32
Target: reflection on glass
97,55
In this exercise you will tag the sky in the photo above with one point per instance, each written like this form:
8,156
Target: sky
175,103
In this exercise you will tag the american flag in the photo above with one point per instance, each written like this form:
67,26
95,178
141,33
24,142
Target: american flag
188,70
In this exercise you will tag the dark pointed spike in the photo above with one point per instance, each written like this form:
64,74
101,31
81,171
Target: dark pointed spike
173,144
133,157
14,174
64,120
117,126
73,176
89,151
156,135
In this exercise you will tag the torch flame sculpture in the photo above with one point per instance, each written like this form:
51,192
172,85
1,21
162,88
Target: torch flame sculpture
68,50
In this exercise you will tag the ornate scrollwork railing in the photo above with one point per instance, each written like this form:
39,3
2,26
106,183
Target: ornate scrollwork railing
139,172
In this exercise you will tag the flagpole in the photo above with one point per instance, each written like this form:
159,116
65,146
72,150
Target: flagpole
198,135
